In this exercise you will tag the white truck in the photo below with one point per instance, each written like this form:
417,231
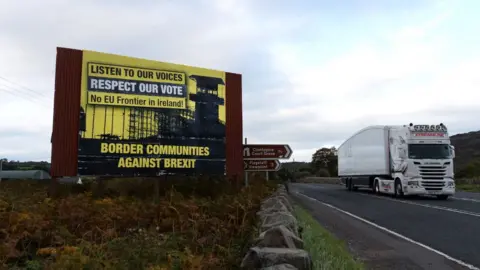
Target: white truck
399,160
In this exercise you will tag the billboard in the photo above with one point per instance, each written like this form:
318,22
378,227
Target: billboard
141,117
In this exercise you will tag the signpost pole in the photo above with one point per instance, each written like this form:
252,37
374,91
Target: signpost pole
246,173
266,175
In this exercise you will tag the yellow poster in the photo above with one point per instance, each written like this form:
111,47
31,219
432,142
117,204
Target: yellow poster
131,103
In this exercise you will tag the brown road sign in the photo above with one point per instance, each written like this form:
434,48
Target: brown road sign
266,151
263,165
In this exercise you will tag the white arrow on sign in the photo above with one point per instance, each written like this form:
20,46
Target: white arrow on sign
246,151
289,151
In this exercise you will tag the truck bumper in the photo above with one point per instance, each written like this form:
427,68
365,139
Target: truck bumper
414,190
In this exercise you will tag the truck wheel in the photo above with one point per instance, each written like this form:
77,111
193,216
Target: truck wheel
442,197
376,188
398,189
349,184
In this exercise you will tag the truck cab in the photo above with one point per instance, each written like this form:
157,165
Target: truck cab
422,160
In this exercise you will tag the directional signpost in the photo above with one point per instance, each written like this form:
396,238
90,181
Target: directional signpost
266,151
264,157
272,165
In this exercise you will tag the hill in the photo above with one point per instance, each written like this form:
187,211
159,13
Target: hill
467,151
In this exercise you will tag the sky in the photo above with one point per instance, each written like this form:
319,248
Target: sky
314,72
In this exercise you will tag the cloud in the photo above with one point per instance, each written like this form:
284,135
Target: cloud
19,144
220,36
313,72
401,79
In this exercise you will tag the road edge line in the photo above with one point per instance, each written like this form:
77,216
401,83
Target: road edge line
462,263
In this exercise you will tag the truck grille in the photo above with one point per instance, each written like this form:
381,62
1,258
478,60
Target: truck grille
432,172
433,185
432,177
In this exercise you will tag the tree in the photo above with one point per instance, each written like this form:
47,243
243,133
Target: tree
326,159
8,164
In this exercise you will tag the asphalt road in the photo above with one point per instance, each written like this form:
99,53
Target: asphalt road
451,227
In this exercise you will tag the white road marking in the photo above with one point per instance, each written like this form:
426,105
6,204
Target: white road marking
453,210
469,266
466,199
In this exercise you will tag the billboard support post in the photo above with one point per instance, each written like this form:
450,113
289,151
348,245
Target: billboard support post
246,172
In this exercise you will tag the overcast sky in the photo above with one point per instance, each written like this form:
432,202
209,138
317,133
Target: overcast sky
314,72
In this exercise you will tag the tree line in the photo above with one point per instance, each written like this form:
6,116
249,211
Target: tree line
322,164
14,165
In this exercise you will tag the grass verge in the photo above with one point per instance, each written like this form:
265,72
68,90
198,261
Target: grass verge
328,252
468,187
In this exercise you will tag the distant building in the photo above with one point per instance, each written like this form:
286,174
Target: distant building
28,174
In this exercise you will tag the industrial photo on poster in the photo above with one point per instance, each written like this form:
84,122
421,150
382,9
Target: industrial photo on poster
144,118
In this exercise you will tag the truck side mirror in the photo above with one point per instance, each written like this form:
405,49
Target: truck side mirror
452,151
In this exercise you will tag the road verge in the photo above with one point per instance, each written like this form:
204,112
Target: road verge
327,251
279,245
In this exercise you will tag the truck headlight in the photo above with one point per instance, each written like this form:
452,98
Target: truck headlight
450,184
413,183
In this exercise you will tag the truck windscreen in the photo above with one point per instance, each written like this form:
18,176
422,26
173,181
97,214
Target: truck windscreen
429,151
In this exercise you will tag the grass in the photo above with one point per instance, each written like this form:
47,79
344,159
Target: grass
470,184
328,252
191,225
468,187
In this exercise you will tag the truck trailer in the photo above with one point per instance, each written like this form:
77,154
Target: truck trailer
399,160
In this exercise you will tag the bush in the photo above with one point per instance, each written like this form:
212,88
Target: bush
323,173
471,170
196,224
299,175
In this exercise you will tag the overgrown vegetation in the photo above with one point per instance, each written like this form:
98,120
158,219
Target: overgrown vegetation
472,184
328,252
194,224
